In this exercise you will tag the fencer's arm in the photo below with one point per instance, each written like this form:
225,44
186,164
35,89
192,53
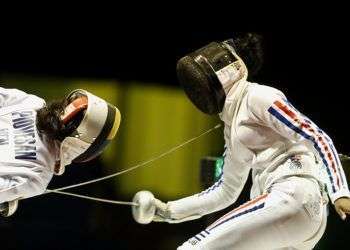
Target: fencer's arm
271,108
219,196
20,187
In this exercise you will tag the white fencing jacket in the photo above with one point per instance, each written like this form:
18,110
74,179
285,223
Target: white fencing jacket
264,133
26,159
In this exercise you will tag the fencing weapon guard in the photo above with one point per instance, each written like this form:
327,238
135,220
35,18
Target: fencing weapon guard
143,206
146,209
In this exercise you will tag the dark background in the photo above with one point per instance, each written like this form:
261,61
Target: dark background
309,66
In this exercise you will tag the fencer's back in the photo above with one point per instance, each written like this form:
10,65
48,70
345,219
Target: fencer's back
24,153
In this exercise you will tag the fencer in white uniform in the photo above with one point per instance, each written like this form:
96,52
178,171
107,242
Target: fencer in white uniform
39,140
294,163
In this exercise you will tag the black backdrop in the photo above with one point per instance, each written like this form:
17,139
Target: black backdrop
309,66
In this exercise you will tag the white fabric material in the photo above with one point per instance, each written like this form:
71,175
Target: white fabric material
257,140
27,159
291,216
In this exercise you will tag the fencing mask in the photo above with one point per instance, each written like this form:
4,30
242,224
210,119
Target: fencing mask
209,73
90,124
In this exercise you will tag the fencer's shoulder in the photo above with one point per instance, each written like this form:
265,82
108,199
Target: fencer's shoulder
6,93
32,102
9,97
35,102
262,94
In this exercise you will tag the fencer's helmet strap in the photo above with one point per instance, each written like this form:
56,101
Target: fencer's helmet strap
78,105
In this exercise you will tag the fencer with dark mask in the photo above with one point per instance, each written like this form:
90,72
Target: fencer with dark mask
292,160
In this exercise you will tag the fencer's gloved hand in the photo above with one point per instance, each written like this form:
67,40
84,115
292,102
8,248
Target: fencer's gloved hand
163,213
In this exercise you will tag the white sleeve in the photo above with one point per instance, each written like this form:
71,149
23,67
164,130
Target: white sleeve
21,186
271,108
10,97
219,196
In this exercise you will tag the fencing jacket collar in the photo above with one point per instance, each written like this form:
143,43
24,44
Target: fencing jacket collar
233,101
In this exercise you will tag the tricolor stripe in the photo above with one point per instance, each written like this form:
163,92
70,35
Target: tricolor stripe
250,206
290,117
337,159
325,136
318,138
327,141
